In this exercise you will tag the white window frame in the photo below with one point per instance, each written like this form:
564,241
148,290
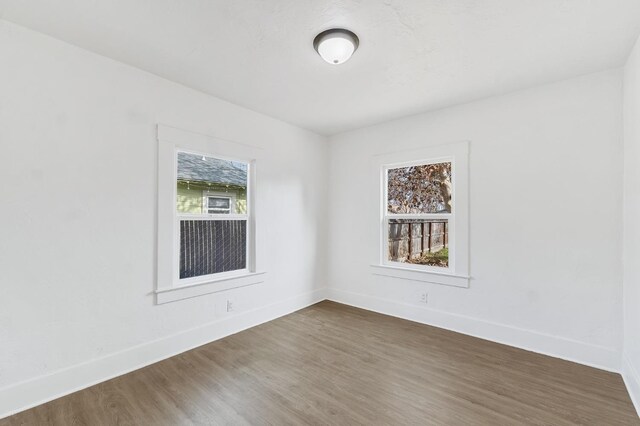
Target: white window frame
170,287
457,272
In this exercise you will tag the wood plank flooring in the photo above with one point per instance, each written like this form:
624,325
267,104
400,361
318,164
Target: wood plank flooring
338,365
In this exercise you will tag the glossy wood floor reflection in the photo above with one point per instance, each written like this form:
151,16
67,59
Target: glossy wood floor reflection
333,364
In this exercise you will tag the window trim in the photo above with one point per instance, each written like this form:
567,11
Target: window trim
457,273
169,286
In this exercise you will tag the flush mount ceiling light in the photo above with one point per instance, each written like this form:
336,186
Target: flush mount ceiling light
336,45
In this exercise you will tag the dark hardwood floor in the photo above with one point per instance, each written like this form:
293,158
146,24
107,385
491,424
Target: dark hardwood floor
338,365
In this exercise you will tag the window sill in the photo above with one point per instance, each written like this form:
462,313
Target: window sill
424,276
167,295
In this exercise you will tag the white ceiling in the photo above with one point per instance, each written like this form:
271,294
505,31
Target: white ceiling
414,55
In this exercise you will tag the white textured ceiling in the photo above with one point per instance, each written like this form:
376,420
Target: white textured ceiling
414,55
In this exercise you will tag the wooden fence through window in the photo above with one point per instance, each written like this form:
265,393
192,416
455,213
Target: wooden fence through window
411,238
212,246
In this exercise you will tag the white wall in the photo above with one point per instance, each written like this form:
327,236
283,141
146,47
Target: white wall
546,226
78,166
631,235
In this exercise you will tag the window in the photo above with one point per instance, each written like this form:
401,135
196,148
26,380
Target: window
423,198
213,237
419,206
206,224
221,205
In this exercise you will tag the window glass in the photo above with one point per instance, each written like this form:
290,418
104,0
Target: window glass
212,246
419,241
419,189
219,203
208,189
201,176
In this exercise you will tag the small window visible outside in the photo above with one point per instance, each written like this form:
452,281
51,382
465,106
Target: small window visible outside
218,205
212,215
418,213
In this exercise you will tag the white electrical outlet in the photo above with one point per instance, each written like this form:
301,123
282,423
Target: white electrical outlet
229,305
424,297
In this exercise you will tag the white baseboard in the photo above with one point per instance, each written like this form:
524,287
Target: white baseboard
632,381
33,392
583,353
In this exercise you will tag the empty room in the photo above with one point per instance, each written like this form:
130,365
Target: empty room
319,212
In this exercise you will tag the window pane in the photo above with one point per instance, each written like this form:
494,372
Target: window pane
200,176
212,246
419,189
219,203
419,241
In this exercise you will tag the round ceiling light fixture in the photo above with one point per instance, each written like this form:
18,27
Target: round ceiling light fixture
336,45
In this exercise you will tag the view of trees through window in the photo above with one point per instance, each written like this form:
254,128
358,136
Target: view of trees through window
419,190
